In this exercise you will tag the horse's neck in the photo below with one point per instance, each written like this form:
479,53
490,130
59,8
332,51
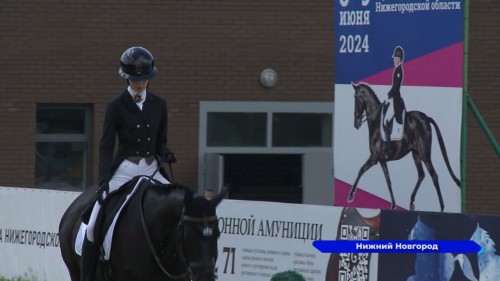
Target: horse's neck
373,116
164,204
487,257
424,265
372,105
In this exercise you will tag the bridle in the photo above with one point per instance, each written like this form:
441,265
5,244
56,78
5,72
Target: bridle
180,231
207,231
363,116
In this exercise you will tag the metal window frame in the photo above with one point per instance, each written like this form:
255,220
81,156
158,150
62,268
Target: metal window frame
85,138
206,107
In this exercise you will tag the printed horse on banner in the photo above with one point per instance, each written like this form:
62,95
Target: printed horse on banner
416,138
440,266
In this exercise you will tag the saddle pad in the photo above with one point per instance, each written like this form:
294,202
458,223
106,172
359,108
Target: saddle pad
106,244
397,129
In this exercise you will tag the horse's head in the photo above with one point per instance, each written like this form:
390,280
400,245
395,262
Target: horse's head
481,237
199,233
365,102
359,105
420,231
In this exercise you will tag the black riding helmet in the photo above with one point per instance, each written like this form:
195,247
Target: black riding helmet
398,53
137,64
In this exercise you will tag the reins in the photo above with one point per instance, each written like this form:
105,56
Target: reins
150,243
146,231
185,218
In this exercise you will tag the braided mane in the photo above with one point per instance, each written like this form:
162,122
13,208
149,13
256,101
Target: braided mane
370,89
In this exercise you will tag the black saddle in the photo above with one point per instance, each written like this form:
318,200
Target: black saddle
112,205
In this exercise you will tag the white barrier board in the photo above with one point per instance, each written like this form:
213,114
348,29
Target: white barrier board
29,239
259,239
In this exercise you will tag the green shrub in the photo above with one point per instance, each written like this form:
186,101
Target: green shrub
289,275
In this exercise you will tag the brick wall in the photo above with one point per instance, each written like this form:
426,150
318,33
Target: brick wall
483,165
68,51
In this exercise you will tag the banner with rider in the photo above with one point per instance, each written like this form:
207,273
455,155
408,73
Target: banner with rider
398,104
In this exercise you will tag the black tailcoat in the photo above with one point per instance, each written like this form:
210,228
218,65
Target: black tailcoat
395,94
139,132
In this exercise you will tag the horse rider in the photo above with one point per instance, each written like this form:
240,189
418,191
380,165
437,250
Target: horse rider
394,103
137,118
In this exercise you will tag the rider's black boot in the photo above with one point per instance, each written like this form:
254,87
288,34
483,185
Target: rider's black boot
387,149
387,143
90,255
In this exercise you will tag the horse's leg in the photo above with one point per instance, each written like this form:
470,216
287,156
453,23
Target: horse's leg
421,176
424,147
368,164
435,180
383,164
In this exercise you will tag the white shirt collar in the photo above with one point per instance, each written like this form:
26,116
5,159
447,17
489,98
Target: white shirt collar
133,92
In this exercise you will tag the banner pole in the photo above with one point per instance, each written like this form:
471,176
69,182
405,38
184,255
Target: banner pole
463,152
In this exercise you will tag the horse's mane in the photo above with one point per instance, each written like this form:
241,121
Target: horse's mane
159,188
370,89
195,205
171,186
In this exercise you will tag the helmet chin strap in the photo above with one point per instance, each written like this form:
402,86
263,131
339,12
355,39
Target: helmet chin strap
128,83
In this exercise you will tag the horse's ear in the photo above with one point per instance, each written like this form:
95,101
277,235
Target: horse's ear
354,85
218,198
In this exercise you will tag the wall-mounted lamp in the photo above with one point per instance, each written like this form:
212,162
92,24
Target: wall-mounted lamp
268,78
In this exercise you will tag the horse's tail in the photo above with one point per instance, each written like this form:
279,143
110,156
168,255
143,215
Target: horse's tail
443,151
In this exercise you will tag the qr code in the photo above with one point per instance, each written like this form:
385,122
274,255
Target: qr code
354,232
354,266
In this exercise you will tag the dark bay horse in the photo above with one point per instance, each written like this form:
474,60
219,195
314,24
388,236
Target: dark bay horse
165,232
417,139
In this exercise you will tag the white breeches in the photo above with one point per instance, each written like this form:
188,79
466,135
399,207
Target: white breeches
125,172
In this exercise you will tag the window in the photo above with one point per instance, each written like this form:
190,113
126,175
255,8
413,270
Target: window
302,129
264,125
264,177
262,150
236,129
62,146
